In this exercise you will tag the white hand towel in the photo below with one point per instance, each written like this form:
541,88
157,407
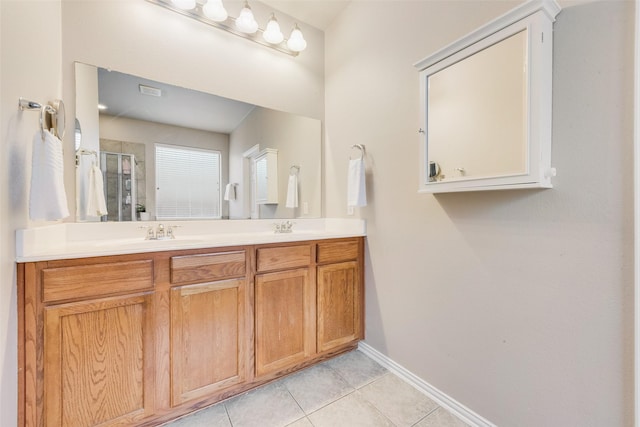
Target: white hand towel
47,197
292,192
356,186
96,204
230,192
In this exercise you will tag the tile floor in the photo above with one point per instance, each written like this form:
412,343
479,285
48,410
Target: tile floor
350,390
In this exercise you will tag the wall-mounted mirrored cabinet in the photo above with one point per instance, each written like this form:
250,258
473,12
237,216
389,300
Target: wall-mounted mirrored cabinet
486,106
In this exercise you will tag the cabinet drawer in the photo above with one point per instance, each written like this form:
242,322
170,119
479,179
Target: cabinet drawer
83,281
282,257
208,267
337,251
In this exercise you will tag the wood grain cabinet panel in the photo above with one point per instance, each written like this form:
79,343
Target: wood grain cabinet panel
208,333
99,362
207,267
95,280
340,302
285,320
337,251
283,257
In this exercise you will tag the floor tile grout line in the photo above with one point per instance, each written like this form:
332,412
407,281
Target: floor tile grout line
426,416
226,410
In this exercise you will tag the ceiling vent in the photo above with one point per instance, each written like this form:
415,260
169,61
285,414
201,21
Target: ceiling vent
151,91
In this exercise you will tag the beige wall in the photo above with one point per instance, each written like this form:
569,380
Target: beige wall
518,304
298,141
32,70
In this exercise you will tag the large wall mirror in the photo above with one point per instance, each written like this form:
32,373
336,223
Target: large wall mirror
486,106
157,145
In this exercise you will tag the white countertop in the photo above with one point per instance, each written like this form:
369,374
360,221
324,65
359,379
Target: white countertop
90,239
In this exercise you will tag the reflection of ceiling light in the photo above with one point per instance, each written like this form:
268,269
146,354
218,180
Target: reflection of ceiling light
148,90
212,12
102,107
272,33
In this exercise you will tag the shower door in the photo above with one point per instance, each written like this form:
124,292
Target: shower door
119,174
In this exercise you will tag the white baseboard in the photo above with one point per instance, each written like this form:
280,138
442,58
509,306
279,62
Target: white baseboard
442,399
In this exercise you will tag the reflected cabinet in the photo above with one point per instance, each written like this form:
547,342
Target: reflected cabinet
486,106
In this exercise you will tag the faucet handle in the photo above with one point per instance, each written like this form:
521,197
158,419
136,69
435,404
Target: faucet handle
170,228
150,233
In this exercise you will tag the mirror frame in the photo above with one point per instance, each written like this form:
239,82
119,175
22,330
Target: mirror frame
536,18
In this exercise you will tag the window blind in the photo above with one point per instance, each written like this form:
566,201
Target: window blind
187,183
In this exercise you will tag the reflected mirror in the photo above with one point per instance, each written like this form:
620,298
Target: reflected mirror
465,142
168,152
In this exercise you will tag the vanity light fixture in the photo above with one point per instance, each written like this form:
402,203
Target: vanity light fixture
296,41
272,34
213,12
246,21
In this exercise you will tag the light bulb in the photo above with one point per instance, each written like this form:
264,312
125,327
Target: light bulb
246,22
184,4
215,11
296,41
272,33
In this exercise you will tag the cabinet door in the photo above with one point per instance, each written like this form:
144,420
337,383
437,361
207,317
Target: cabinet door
99,362
285,329
339,305
208,348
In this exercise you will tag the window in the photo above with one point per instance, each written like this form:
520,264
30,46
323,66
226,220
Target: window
187,183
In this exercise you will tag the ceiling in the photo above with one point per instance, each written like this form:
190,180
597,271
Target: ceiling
177,106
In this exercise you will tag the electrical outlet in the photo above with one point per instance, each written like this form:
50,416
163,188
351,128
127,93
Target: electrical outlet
350,210
305,208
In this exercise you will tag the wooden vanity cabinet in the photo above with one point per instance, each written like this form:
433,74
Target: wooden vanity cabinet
89,346
340,294
140,339
284,308
210,324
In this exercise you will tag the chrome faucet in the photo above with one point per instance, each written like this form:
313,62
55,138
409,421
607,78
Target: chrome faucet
170,234
284,227
151,235
159,233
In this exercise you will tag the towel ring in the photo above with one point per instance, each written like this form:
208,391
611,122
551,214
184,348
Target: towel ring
59,115
46,118
361,148
296,167
52,115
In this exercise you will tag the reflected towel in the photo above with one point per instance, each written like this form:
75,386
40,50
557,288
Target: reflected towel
47,197
292,192
230,192
96,204
356,186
